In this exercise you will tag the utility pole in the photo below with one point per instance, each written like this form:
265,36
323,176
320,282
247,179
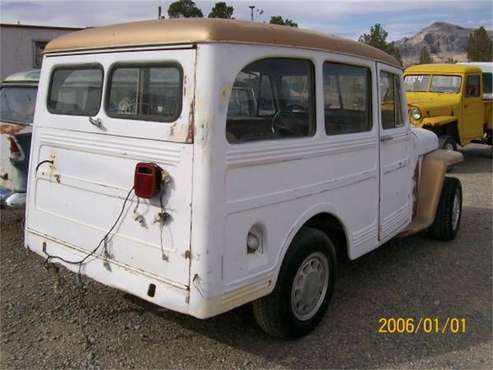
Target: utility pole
251,12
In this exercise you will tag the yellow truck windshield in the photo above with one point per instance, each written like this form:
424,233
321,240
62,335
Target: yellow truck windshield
432,83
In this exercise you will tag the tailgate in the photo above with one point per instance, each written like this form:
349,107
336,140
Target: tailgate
76,200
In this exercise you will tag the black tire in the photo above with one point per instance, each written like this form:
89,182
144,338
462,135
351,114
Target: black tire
447,142
444,228
274,313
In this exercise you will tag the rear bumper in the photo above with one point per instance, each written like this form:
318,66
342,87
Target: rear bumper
12,199
137,282
122,277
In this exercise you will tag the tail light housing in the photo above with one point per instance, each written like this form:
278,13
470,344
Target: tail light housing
147,180
15,150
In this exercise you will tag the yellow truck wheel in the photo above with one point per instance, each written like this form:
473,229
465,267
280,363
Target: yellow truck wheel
447,142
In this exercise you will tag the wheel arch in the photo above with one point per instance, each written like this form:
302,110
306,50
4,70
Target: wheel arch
325,218
447,127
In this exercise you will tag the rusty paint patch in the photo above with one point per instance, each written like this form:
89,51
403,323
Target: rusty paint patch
190,132
225,92
10,128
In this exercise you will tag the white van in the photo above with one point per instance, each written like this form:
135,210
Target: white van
204,164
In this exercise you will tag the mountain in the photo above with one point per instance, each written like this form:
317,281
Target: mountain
443,40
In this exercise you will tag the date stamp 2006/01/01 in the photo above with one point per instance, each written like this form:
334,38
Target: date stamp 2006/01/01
426,325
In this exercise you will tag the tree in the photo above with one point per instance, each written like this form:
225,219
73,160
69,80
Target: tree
480,46
277,19
221,10
378,39
425,57
393,50
184,9
450,60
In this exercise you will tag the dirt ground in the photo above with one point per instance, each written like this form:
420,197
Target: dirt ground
410,278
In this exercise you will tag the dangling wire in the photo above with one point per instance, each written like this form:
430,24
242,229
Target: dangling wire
80,283
103,240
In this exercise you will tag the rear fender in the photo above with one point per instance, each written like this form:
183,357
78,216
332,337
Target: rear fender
433,169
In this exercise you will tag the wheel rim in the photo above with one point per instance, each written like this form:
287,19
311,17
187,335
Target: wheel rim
310,286
456,211
449,146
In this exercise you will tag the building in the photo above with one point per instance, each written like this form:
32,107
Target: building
22,45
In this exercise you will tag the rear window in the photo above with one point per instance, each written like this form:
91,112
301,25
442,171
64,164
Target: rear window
76,90
149,92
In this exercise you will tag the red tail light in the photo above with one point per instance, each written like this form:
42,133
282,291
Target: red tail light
147,180
15,152
14,149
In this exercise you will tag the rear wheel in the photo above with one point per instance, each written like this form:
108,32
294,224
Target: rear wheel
449,212
447,142
304,287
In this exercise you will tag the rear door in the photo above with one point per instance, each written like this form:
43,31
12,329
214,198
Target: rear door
99,115
395,155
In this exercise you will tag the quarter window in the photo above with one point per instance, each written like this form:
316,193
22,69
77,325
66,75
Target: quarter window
347,99
75,90
390,100
150,93
272,99
472,86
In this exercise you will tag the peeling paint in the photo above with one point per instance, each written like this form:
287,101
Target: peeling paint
190,132
11,129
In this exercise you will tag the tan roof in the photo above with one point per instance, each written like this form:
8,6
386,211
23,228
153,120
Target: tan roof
203,30
442,68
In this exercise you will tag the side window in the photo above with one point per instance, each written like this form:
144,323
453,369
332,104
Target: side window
149,93
75,90
347,99
272,99
390,100
472,86
487,83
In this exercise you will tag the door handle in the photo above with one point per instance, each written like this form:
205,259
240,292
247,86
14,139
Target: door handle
96,122
386,138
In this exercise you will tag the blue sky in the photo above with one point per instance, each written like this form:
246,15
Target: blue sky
344,18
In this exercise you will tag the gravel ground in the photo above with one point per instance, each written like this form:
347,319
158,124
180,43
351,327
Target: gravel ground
415,277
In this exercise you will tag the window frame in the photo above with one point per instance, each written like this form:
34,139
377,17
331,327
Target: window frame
313,124
140,65
369,96
83,66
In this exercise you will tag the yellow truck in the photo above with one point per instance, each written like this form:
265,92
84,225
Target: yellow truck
452,101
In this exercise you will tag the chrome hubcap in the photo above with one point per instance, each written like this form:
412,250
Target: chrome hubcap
456,211
310,286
